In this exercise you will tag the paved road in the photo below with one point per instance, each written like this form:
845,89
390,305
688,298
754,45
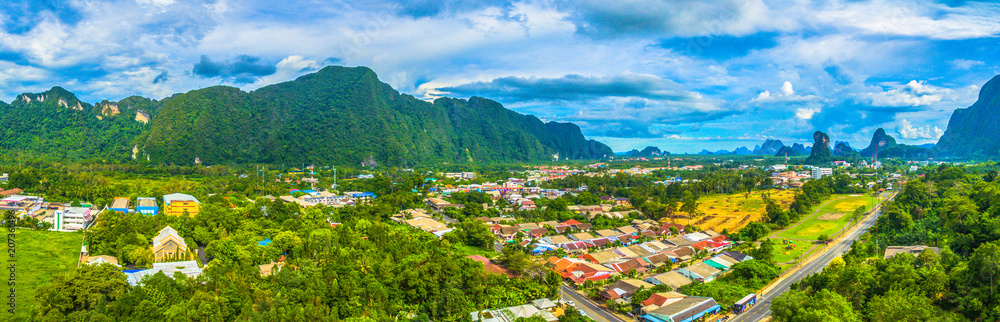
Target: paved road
763,308
581,303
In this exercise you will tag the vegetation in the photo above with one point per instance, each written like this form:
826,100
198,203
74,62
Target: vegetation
949,209
40,255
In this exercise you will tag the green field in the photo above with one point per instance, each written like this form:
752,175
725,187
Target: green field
828,220
787,252
40,256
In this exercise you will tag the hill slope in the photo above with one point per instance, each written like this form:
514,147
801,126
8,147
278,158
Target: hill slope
337,115
972,131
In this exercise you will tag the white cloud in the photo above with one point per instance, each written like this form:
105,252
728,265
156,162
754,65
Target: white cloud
913,18
965,64
906,130
786,89
806,113
912,94
787,95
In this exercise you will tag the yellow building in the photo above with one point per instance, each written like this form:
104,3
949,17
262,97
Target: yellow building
168,245
175,204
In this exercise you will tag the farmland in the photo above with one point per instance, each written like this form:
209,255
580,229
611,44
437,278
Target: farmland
733,211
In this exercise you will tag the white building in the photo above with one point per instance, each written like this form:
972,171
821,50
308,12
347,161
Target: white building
819,173
4,177
72,218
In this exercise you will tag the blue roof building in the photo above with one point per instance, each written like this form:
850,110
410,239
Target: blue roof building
264,242
147,206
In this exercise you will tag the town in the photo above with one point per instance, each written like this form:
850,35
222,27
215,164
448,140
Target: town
617,257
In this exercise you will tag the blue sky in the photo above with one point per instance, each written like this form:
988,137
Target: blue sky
680,75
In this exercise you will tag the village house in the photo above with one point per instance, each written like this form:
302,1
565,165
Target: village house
673,279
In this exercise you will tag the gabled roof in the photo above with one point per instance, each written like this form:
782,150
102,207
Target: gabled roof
166,234
661,298
673,279
702,269
571,222
737,255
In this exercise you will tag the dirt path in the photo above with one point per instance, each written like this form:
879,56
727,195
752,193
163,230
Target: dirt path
818,208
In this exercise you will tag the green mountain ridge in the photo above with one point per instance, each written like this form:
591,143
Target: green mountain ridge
337,115
972,131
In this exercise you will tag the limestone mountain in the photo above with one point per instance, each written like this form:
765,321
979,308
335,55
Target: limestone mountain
801,148
972,131
820,149
742,151
843,150
337,115
649,151
880,142
787,151
770,147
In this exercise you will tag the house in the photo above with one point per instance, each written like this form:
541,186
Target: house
538,232
189,268
622,202
168,244
912,250
4,177
639,250
637,265
737,255
271,268
583,226
120,204
721,262
661,299
682,253
558,240
625,252
695,237
526,226
665,229
700,271
488,265
673,279
600,242
575,247
624,289
429,225
602,257
606,233
514,313
581,236
627,230
579,271
177,203
10,192
101,259
507,233
678,241
655,246
657,259
147,206
690,308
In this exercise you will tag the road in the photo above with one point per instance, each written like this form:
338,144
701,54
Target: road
762,309
583,304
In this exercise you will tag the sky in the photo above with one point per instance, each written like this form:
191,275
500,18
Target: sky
680,75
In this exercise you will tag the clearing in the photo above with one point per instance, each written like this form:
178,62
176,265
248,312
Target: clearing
733,211
40,255
829,220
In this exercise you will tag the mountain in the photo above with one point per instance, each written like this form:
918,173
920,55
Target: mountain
705,152
787,151
972,131
799,147
880,142
337,115
887,147
742,151
925,146
649,151
723,152
769,147
820,149
844,150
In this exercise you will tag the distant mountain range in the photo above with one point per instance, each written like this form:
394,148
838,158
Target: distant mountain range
337,115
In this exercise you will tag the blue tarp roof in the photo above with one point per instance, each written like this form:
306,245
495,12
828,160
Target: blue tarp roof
264,242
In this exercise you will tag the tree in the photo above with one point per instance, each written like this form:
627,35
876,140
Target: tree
824,305
900,305
690,204
87,288
985,264
765,251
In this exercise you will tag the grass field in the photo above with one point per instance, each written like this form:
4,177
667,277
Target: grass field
828,220
787,250
734,211
40,256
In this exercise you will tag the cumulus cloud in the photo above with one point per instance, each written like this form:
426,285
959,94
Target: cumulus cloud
675,18
912,94
906,130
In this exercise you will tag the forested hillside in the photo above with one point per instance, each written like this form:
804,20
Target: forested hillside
956,211
335,116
